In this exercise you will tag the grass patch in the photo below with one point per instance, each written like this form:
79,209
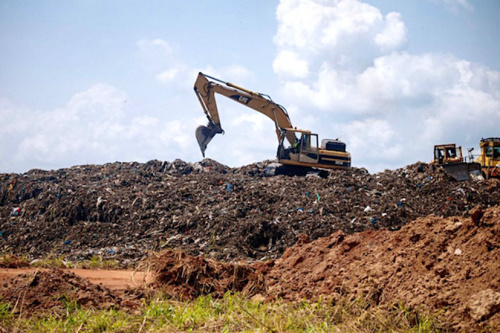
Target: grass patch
50,262
12,261
233,313
97,262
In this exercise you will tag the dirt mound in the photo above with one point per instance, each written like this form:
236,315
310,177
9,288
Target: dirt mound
183,276
447,264
124,210
55,291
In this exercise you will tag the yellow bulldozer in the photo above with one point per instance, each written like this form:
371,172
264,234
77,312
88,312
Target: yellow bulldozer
489,158
449,156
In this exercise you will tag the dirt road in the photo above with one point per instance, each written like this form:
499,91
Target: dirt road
113,279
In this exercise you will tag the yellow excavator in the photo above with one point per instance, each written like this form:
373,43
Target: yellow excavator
295,147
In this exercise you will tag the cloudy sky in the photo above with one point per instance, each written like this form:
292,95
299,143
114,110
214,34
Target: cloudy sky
91,82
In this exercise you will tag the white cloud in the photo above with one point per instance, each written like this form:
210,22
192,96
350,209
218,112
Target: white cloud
168,75
393,35
160,58
287,63
155,53
99,101
456,5
171,70
341,32
96,126
374,140
387,104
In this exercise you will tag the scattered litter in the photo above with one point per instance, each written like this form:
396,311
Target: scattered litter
141,207
15,211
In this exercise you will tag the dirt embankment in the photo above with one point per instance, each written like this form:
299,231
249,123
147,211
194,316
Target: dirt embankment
447,264
434,264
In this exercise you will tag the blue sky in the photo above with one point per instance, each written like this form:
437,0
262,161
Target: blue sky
91,82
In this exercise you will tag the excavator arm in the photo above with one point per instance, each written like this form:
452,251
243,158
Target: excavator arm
206,87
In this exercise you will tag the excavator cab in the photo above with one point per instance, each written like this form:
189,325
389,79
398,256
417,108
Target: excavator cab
305,149
308,148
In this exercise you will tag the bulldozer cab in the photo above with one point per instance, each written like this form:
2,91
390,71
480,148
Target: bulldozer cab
493,152
449,153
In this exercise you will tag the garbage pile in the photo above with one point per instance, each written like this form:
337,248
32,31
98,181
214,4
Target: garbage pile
125,210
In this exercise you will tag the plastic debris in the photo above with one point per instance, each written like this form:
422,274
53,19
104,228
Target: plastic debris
15,211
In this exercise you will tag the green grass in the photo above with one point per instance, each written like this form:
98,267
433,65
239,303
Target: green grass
233,313
96,262
13,261
50,262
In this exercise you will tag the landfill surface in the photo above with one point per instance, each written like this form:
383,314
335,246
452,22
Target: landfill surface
127,210
413,235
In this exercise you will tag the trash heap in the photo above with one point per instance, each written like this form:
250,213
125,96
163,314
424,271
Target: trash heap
125,210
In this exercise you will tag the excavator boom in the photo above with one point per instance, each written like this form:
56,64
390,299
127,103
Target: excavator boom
207,86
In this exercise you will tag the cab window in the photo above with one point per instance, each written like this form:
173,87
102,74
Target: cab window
496,152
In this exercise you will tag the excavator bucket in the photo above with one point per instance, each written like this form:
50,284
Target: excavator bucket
204,135
463,171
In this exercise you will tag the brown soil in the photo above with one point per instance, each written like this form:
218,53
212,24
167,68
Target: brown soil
432,263
184,276
112,279
53,291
